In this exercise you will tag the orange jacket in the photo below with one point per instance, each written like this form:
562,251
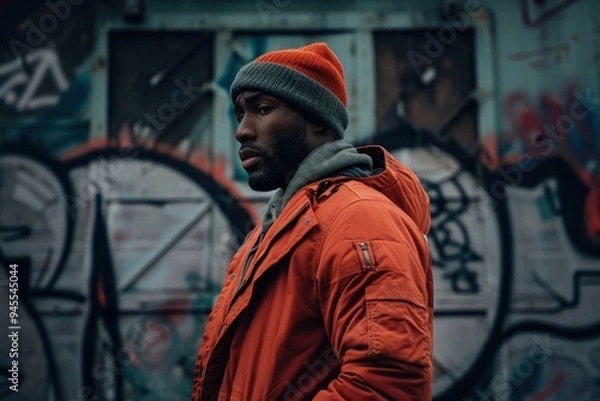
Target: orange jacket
337,303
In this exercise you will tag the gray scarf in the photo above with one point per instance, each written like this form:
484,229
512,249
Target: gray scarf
328,160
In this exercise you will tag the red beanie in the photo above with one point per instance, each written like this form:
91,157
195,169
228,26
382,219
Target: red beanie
310,78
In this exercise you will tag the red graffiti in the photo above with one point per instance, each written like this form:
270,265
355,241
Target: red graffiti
558,125
549,391
593,207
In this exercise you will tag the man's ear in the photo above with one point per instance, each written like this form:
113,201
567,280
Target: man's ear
318,133
318,129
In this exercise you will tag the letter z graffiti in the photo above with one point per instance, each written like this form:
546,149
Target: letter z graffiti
20,90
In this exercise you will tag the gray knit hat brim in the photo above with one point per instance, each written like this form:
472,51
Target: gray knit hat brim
295,88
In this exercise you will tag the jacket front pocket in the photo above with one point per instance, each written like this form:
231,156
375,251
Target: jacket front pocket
398,324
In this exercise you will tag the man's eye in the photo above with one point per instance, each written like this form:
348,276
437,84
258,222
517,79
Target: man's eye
263,109
239,117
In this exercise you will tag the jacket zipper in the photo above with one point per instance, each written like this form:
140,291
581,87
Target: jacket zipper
252,252
366,255
248,261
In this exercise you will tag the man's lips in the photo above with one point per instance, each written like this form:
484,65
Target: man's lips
249,162
249,157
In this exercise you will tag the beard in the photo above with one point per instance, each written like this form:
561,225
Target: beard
278,164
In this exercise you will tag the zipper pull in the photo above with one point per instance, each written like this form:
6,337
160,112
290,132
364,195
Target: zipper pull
367,256
248,262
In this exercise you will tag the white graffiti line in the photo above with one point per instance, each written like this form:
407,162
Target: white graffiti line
10,66
42,101
46,61
5,90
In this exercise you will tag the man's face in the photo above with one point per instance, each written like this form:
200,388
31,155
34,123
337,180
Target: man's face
273,139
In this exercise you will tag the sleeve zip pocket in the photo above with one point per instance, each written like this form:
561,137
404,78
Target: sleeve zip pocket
366,255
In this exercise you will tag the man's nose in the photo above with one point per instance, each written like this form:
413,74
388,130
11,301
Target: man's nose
244,131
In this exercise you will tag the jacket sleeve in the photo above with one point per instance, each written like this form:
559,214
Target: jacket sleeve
374,287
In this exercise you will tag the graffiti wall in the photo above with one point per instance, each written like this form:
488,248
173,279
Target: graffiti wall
45,72
122,198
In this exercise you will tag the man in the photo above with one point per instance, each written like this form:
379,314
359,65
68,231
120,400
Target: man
331,297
